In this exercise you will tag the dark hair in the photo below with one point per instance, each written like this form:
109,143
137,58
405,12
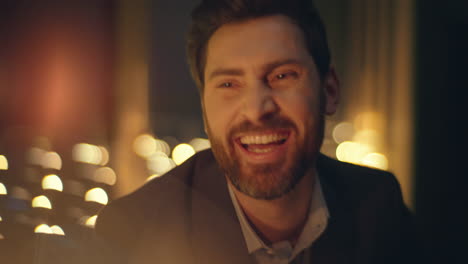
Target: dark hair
212,14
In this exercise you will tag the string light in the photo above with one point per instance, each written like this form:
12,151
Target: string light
52,182
41,202
182,152
3,163
97,195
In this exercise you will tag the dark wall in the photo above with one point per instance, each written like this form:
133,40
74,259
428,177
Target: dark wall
441,57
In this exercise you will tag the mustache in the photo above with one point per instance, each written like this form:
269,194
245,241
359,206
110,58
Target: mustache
268,124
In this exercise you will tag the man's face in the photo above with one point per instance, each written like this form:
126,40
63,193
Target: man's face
263,105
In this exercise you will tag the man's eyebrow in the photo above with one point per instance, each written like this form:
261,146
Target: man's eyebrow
274,64
225,71
266,68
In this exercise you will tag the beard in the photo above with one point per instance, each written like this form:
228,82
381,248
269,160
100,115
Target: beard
270,180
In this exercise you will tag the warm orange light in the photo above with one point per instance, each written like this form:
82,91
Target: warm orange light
51,160
3,190
182,152
91,221
52,182
200,144
97,195
375,160
41,202
144,145
342,132
3,163
43,229
105,175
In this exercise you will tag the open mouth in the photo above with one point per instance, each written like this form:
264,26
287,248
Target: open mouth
263,143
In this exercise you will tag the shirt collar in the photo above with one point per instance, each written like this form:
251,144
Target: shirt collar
313,228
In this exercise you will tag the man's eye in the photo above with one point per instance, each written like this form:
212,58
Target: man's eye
226,85
285,75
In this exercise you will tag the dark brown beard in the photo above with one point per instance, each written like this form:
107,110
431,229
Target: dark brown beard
269,181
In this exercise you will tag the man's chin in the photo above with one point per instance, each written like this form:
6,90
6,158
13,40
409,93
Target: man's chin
265,182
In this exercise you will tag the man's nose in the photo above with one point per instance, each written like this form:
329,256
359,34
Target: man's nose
259,103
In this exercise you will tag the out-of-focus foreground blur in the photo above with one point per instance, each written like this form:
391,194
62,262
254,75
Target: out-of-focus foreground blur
96,99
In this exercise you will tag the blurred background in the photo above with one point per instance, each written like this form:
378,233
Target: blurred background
96,99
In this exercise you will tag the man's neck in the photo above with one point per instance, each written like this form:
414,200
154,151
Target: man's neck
279,219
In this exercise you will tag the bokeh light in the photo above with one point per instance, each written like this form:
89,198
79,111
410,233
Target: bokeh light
2,237
160,164
200,144
105,175
41,202
43,229
162,146
52,182
376,160
182,152
51,160
3,163
57,230
20,193
104,156
152,177
3,189
97,195
144,145
352,152
91,221
87,153
35,156
344,131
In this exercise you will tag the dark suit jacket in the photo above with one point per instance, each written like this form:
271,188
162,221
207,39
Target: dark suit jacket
187,216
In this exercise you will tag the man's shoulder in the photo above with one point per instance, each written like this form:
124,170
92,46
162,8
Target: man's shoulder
168,190
355,181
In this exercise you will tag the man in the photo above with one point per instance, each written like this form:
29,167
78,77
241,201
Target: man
263,193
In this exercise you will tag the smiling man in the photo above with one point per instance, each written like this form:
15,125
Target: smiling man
263,193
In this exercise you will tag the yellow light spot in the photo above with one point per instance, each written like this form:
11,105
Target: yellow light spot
1,219
2,237
3,190
162,146
369,120
3,163
105,175
152,177
57,230
91,221
375,160
352,152
87,153
160,164
35,156
144,145
43,229
182,152
52,182
104,156
97,195
41,202
200,144
369,137
343,132
51,160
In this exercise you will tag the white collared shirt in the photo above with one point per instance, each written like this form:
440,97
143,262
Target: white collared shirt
282,252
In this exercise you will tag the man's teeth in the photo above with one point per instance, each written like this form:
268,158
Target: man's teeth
263,139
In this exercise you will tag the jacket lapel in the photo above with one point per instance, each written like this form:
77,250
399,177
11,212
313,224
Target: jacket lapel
215,230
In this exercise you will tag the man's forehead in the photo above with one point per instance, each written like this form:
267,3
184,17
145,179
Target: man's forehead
259,42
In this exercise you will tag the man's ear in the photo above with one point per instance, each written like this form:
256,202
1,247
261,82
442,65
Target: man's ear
331,86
